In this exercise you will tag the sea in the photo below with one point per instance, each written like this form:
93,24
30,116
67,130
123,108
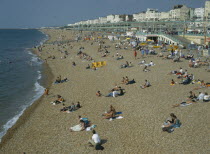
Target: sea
20,73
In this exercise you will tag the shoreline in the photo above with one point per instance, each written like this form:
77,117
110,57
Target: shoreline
46,82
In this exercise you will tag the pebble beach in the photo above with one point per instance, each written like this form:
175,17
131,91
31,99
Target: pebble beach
44,129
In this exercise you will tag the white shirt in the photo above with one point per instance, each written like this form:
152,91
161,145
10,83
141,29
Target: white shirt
96,138
201,96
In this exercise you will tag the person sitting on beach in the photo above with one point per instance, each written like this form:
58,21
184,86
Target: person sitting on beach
147,84
145,69
58,80
110,114
171,123
186,81
78,106
192,95
79,127
98,93
123,80
126,80
172,82
206,97
88,67
73,63
95,141
200,96
64,108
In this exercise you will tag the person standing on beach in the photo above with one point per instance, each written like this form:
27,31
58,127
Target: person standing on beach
46,91
135,54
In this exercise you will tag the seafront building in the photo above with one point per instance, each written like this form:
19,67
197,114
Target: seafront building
177,13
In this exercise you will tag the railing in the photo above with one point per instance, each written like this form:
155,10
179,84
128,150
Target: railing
163,34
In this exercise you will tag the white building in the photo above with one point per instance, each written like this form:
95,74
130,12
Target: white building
119,18
152,14
102,20
164,16
139,16
199,13
207,9
110,18
180,12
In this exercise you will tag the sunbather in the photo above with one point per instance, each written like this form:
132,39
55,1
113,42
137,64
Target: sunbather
147,84
171,123
79,127
110,114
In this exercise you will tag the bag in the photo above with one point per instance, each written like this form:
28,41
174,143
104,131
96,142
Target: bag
99,147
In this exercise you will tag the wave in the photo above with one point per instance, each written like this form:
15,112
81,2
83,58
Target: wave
39,90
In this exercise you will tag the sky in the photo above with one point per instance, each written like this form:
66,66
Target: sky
46,13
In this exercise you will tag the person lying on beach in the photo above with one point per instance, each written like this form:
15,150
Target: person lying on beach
131,82
79,127
58,100
72,107
172,72
127,64
64,108
170,123
110,114
188,102
160,54
176,59
169,56
142,62
147,84
120,57
202,85
98,93
113,93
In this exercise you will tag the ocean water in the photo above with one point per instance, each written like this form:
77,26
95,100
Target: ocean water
20,73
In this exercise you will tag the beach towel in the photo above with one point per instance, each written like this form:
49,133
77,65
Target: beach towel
185,104
117,117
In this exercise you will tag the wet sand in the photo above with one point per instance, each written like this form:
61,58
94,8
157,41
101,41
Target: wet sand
44,129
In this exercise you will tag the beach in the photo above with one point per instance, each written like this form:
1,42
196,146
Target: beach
44,129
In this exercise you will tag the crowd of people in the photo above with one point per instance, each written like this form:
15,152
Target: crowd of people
169,124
